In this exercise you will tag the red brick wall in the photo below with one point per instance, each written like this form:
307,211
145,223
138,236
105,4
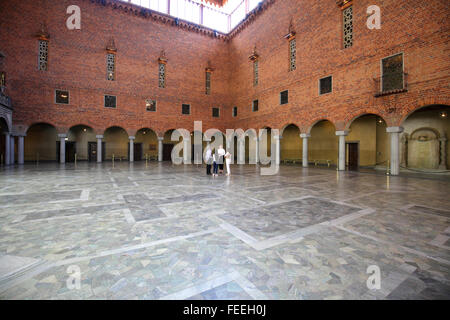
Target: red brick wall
417,28
77,62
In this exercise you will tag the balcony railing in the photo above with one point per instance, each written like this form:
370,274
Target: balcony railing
390,83
5,101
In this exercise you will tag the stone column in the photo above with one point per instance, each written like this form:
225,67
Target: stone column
277,149
20,150
99,148
11,153
186,151
62,150
341,135
257,149
131,156
305,137
395,152
7,148
160,148
241,151
443,162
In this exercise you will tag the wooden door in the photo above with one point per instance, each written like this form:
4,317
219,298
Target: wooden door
353,156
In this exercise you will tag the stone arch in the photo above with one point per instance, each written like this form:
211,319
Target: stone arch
40,142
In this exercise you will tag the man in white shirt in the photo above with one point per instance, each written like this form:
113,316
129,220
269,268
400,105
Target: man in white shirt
221,153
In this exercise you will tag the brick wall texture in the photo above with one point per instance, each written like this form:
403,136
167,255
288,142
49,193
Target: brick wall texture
77,62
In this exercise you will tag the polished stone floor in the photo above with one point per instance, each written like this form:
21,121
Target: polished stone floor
171,232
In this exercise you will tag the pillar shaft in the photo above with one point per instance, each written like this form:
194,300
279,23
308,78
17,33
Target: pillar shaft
395,152
160,149
305,137
131,156
21,150
11,153
341,160
99,148
257,150
62,148
277,149
443,159
7,148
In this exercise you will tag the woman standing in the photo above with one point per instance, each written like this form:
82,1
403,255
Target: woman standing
215,165
228,162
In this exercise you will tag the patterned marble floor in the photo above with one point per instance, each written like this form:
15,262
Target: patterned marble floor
171,232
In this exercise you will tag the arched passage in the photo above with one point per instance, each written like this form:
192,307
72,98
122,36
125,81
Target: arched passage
41,143
79,141
423,144
146,145
367,143
291,144
116,143
3,130
323,144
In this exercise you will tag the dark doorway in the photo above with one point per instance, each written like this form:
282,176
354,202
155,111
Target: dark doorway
167,151
137,151
353,156
71,149
92,151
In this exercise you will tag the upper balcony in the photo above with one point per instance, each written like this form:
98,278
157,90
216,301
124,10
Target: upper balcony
390,83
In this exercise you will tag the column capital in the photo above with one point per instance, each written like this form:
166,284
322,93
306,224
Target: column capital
21,135
99,136
160,138
443,139
62,135
131,137
305,135
278,137
394,129
342,133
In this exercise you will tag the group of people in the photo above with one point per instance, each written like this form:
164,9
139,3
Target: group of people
216,160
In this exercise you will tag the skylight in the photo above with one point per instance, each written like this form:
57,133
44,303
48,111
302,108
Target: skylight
222,19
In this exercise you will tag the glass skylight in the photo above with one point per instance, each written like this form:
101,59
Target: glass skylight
222,19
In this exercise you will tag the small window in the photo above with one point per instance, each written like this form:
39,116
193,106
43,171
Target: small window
110,101
347,15
234,111
255,73
255,105
292,55
150,105
2,79
61,97
162,75
392,68
43,55
208,82
215,112
284,97
325,85
185,109
110,66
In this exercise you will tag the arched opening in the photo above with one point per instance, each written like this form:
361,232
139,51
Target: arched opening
291,145
424,140
168,145
367,143
40,143
116,143
197,153
146,145
323,144
80,139
3,130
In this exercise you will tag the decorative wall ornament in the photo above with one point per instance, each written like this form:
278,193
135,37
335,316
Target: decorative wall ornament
43,34
162,57
111,46
254,56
